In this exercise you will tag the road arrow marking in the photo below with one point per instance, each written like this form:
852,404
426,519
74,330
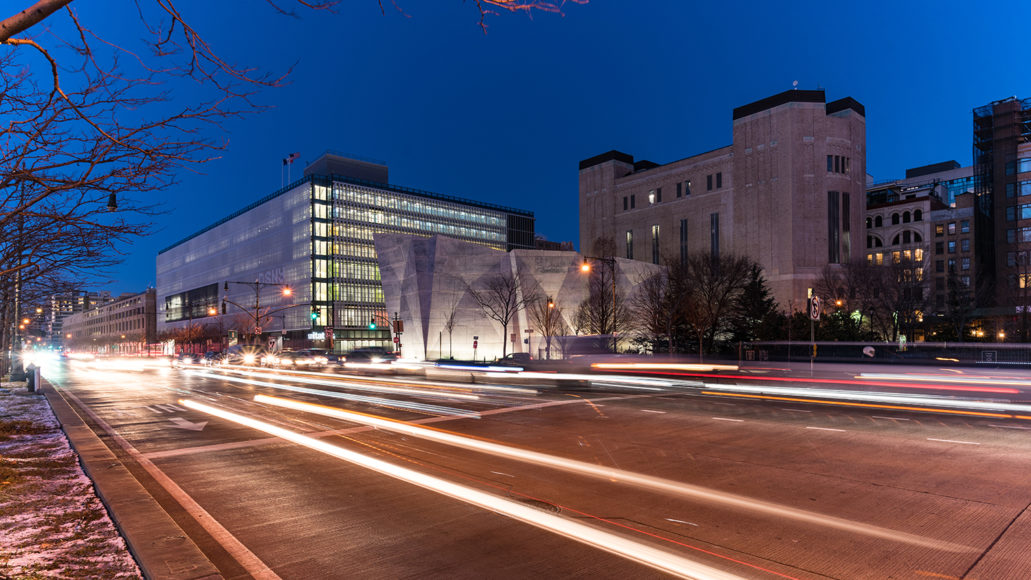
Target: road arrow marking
184,424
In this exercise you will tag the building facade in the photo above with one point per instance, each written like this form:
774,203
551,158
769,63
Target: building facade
1002,165
124,325
315,237
429,283
788,193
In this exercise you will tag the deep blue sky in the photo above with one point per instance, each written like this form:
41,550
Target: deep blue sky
505,117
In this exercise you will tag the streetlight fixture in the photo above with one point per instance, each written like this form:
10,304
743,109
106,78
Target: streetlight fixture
585,267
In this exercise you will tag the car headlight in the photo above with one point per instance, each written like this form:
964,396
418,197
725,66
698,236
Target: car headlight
249,359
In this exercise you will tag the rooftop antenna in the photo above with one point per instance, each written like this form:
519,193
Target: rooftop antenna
794,85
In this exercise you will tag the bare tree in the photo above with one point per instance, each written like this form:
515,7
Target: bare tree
714,284
546,318
656,308
605,311
501,298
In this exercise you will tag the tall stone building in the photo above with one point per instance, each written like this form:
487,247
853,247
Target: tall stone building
789,192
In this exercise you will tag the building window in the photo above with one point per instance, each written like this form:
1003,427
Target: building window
679,189
632,201
878,222
964,264
630,244
714,235
952,246
964,226
894,219
655,244
939,265
939,247
651,197
658,195
869,222
626,203
837,164
683,241
830,163
952,266
833,228
719,179
687,187
918,216
964,245
952,228
708,182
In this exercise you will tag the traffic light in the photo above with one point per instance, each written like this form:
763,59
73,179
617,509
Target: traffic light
372,324
223,307
315,313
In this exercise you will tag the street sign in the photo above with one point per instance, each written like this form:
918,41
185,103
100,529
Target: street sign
397,339
257,330
814,307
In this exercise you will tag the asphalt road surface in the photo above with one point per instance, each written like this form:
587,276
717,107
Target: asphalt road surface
410,477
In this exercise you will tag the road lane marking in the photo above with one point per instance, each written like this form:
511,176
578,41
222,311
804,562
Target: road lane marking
825,429
651,411
726,419
1010,427
247,559
891,418
798,410
505,474
682,522
572,529
615,475
953,441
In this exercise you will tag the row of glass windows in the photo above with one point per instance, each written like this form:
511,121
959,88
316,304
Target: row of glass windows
964,245
1015,189
939,265
714,240
1022,165
1018,235
915,255
348,292
896,218
348,269
1015,212
400,202
964,228
372,216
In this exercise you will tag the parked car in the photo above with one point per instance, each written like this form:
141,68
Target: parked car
371,354
243,355
515,359
186,359
212,358
301,359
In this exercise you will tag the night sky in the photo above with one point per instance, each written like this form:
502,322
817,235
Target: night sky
504,117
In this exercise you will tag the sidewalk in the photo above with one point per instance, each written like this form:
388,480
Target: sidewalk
159,545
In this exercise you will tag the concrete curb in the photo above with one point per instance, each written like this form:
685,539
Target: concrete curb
160,547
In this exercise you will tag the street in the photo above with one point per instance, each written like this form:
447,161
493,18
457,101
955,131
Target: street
334,476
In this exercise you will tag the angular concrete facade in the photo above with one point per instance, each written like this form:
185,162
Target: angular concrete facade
425,279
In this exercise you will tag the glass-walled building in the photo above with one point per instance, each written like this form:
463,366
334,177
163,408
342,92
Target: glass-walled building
315,237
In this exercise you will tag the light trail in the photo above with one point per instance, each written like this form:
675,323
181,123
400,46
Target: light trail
999,390
309,378
967,405
946,379
251,371
868,405
697,367
611,474
408,405
591,536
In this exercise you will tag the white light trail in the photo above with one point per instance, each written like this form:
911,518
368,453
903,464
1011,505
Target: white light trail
694,367
873,397
964,379
611,474
409,405
310,379
448,387
609,542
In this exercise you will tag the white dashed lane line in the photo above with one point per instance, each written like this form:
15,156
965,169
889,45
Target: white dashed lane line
682,522
651,411
1010,427
825,429
953,441
725,419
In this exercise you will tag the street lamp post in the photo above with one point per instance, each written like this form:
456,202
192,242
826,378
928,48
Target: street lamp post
257,316
547,326
611,261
